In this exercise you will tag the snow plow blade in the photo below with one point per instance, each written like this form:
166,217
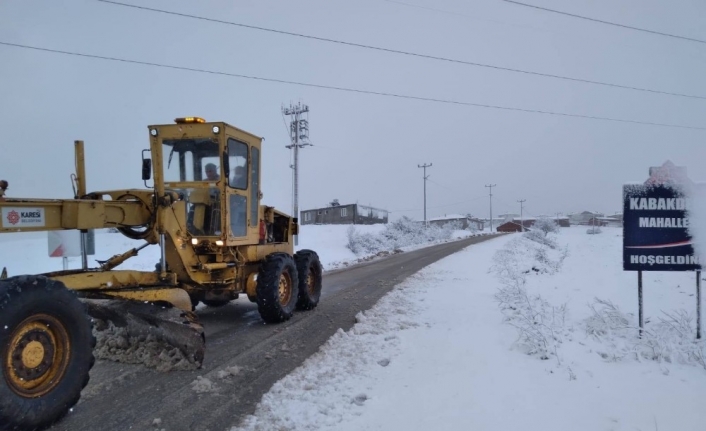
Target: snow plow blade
157,335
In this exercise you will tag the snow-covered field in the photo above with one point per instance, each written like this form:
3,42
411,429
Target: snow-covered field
507,335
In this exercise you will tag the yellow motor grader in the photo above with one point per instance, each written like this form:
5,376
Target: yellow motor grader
216,243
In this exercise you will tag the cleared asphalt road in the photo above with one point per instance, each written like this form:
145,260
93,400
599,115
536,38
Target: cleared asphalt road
123,397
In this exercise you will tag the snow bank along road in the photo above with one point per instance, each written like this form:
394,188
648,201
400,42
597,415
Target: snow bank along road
244,357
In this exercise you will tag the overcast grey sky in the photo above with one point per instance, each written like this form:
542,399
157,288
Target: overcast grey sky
367,148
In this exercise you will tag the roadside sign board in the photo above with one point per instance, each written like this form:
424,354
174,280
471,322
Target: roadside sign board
67,243
656,224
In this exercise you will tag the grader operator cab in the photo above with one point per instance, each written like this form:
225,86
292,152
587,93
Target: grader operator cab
216,242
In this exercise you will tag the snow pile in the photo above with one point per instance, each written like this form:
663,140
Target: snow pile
203,385
326,389
533,252
398,234
229,372
116,344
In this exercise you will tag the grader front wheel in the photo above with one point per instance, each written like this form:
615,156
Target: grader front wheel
46,351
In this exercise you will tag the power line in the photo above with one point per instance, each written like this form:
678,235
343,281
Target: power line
449,12
607,22
441,185
395,51
348,89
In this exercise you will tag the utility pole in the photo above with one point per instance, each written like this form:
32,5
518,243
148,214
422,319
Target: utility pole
522,220
425,166
299,138
490,189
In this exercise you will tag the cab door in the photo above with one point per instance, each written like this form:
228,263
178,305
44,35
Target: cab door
242,188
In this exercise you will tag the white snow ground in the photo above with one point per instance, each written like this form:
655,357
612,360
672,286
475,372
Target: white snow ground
439,352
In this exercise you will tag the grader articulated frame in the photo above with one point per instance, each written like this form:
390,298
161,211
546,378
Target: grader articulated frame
216,241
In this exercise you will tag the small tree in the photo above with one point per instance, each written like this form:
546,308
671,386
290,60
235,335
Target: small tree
546,225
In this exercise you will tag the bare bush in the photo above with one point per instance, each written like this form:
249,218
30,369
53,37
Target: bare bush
671,339
542,238
545,225
541,326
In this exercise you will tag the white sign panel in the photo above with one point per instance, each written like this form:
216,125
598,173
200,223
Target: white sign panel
67,243
22,217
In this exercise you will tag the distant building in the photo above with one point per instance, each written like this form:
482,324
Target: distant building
344,214
496,221
612,221
511,226
583,218
515,225
464,222
615,220
597,221
562,221
506,217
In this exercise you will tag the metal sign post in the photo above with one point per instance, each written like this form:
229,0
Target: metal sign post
639,302
698,305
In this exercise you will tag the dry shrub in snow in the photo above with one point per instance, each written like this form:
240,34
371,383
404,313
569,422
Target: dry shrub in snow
594,231
542,238
400,233
671,339
525,255
541,326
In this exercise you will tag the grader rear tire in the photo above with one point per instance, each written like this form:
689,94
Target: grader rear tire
310,275
277,288
46,351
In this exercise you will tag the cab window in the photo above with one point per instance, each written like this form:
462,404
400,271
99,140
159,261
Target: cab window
238,161
186,159
255,190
